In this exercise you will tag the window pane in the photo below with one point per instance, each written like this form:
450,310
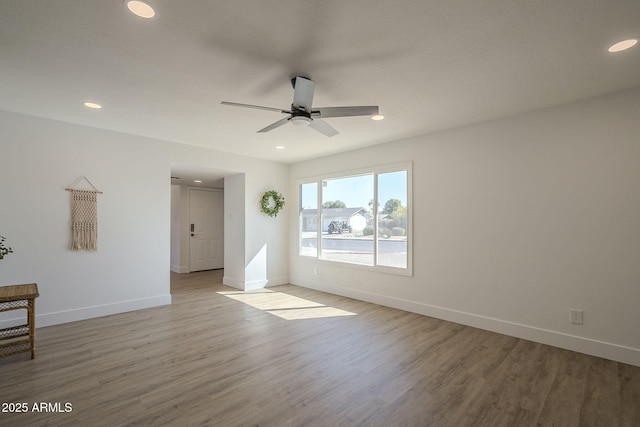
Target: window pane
392,219
309,219
346,219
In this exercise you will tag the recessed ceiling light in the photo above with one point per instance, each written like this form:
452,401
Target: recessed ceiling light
377,117
197,180
92,105
280,147
140,8
623,45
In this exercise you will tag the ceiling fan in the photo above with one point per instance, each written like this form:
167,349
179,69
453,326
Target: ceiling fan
302,113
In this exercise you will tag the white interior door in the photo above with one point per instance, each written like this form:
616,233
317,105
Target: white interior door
206,220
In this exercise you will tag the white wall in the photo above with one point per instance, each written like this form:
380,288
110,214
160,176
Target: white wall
267,239
177,234
516,221
234,231
131,268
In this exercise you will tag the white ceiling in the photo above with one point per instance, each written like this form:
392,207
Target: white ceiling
430,65
197,176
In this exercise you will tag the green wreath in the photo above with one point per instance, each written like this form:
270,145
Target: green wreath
267,207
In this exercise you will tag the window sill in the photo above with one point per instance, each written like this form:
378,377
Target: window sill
396,271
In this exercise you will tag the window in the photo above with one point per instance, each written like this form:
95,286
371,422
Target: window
392,219
360,218
309,219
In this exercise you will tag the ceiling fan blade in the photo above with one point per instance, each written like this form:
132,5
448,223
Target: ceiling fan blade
303,93
345,111
276,124
323,127
258,107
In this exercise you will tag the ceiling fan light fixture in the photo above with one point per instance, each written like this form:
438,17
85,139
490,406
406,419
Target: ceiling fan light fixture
623,45
300,120
92,105
140,8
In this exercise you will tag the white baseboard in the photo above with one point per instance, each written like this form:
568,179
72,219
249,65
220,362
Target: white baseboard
56,318
255,284
278,280
589,346
179,268
234,283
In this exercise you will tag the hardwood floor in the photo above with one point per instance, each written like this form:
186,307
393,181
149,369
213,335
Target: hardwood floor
219,357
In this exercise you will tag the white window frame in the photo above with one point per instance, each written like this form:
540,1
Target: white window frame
375,171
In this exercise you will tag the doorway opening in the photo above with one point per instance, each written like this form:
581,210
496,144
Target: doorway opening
197,219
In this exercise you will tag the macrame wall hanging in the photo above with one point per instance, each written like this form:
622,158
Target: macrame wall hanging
84,216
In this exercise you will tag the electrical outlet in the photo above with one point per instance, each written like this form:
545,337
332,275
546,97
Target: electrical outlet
315,271
576,317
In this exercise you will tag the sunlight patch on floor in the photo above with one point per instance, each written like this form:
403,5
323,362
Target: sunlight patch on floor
285,306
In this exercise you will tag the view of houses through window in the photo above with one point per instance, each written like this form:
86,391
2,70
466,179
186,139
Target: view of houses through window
309,220
362,219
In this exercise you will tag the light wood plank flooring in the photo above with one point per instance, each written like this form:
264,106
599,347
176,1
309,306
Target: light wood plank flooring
218,357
